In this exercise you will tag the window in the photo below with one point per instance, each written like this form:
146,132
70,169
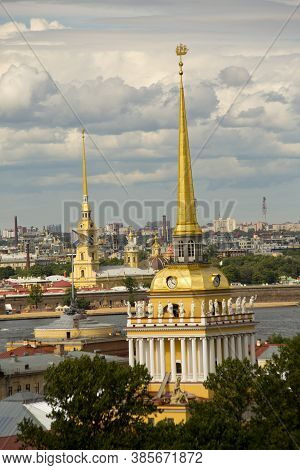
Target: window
68,335
82,273
128,259
178,368
19,388
180,249
27,387
9,391
81,256
37,388
191,249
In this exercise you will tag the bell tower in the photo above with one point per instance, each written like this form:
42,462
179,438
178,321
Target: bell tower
131,252
86,262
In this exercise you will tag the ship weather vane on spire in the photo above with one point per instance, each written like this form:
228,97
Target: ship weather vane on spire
181,50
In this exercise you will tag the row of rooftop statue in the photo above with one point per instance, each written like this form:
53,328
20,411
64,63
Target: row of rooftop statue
214,308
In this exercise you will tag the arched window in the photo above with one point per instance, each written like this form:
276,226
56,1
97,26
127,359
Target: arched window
180,249
191,249
82,273
81,256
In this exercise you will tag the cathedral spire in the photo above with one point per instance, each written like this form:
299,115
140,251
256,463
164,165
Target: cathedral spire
85,196
186,209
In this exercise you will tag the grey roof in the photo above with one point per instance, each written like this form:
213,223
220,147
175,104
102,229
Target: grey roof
269,352
41,362
66,322
121,271
27,364
24,397
13,411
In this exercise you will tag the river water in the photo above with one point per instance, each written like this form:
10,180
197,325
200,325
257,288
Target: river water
285,320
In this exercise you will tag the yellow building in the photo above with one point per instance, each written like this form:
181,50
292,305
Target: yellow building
190,323
87,270
131,252
86,262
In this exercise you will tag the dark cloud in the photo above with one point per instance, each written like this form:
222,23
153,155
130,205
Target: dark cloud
234,76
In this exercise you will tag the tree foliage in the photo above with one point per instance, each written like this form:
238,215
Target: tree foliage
132,286
259,269
35,295
95,405
82,302
105,406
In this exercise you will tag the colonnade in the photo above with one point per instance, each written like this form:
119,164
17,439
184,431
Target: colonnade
198,355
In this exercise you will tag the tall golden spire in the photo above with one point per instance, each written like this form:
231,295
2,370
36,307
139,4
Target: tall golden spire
187,223
85,196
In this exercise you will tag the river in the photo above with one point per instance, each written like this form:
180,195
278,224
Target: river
285,320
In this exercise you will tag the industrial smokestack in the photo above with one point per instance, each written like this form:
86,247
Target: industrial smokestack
27,256
16,231
164,229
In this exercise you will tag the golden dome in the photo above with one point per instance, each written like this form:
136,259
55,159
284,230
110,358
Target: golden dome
189,277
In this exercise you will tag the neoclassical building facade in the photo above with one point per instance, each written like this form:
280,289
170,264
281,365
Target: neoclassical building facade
191,322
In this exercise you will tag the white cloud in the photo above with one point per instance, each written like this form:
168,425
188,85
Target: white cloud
7,30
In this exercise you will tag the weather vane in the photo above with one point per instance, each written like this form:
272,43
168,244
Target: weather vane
181,50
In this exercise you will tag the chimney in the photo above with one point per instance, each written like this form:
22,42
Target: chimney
16,231
164,229
27,256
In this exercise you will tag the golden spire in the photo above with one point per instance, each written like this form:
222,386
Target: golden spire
84,177
85,195
187,223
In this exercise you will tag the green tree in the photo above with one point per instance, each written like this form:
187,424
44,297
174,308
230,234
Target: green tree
7,272
132,286
35,295
81,301
275,422
95,405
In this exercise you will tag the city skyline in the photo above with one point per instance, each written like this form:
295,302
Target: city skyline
116,69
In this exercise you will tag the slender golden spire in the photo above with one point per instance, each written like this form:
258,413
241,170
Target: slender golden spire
186,209
84,176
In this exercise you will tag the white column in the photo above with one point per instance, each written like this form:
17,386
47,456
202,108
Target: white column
194,360
157,358
225,345
219,349
141,352
200,358
131,352
212,355
173,359
239,348
146,354
183,359
252,348
205,358
232,347
152,363
137,356
246,346
162,358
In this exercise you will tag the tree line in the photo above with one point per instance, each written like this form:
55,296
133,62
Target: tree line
100,405
260,269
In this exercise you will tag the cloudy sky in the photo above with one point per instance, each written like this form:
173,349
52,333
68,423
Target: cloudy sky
111,65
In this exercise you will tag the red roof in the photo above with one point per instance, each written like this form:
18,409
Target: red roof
263,347
61,283
27,351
